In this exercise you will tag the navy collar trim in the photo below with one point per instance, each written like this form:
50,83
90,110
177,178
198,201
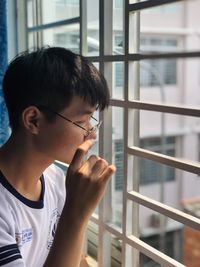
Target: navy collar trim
30,203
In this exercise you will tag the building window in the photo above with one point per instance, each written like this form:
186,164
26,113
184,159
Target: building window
68,40
119,79
172,239
150,171
118,158
158,72
118,44
60,39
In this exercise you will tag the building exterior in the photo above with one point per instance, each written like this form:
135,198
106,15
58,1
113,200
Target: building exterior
191,237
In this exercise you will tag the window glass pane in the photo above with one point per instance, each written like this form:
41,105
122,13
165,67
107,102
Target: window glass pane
155,124
52,11
152,224
150,171
118,32
32,40
31,13
65,36
118,80
166,29
169,21
133,42
158,73
174,81
172,246
92,31
133,80
159,44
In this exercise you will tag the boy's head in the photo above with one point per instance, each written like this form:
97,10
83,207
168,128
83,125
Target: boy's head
51,77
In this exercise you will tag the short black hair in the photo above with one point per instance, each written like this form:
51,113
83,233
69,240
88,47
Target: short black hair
51,76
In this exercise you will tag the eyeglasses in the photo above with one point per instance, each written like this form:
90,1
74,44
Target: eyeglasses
94,128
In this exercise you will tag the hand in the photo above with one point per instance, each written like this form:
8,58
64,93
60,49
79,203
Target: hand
86,182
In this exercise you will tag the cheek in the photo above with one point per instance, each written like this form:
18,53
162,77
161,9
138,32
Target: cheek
59,142
67,146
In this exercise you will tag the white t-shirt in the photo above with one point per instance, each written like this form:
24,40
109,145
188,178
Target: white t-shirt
27,227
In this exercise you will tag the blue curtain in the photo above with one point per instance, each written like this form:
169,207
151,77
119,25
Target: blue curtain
4,124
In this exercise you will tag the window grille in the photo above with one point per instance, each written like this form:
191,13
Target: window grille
96,42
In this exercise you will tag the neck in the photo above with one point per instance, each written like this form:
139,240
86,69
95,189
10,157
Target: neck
23,166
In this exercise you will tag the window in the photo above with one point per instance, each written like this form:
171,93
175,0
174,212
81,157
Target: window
172,239
118,154
131,58
68,40
165,69
119,74
118,44
150,171
61,39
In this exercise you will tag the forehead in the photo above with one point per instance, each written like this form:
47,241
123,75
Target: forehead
80,107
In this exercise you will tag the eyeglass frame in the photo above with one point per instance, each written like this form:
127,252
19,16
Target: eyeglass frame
94,129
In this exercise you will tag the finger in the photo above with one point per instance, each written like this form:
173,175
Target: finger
99,167
80,153
105,176
89,164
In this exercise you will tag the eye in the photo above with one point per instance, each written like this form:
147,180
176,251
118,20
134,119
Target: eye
85,120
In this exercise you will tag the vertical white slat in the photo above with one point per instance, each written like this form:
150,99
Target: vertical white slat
134,42
105,209
83,26
126,254
22,26
83,51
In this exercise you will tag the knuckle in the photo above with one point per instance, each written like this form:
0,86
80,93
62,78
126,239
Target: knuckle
80,174
94,157
103,162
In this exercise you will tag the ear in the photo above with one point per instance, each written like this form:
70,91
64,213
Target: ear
31,118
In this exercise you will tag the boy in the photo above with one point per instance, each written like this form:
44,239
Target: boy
51,95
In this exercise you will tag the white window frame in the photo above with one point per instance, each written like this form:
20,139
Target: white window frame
129,234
